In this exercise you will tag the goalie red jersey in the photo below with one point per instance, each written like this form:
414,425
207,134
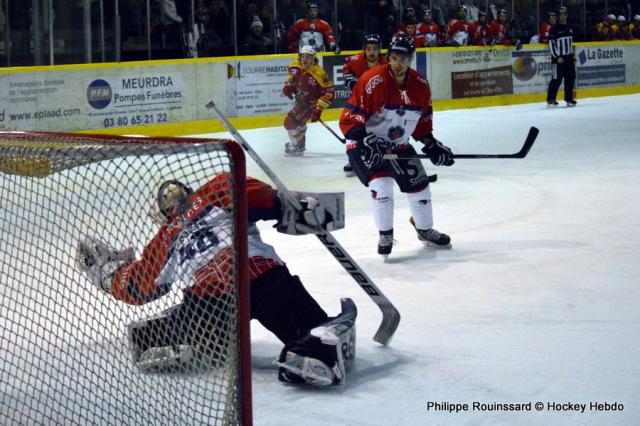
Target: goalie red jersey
388,110
201,261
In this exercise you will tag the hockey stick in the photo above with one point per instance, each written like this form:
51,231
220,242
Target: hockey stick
326,126
528,143
390,315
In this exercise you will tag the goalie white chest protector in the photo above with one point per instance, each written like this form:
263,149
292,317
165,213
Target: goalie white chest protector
201,240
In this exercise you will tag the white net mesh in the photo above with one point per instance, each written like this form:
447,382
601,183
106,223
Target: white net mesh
66,355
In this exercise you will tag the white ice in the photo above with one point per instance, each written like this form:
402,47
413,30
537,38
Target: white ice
538,300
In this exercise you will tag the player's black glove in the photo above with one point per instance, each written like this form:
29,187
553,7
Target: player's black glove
350,80
438,153
334,48
371,151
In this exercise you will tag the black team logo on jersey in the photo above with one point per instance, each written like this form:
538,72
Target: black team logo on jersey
395,132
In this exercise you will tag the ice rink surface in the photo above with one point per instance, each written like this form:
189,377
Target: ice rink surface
537,301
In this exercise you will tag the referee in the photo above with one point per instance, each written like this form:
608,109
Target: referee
562,60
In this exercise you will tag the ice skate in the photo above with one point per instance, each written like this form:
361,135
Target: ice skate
348,170
432,237
385,243
571,104
165,359
292,150
552,104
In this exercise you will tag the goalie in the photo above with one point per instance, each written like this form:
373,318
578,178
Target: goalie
193,249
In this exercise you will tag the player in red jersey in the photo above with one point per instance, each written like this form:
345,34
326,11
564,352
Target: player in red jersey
356,65
312,90
410,29
500,31
389,104
193,250
312,31
543,35
479,31
429,30
457,30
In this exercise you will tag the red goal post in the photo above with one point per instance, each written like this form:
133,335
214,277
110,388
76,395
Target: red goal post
66,351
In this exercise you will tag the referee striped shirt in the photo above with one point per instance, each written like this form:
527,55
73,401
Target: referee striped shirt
561,41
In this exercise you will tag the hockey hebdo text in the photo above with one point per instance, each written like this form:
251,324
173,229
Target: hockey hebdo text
549,406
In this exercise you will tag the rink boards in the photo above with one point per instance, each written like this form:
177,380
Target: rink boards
168,97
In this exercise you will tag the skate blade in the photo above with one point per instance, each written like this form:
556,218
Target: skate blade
349,174
385,258
436,246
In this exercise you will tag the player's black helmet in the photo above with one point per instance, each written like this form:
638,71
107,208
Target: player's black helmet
372,39
552,14
502,12
562,10
312,4
401,44
427,12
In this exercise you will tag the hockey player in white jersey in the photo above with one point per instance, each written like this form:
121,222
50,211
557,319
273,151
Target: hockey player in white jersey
193,250
389,104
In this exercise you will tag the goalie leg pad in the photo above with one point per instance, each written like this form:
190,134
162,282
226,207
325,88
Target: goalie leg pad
189,335
323,357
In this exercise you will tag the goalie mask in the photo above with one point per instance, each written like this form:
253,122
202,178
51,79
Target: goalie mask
172,198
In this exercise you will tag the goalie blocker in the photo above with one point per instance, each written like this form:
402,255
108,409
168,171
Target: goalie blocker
194,333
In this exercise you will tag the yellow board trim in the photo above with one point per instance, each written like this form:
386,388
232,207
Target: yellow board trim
244,123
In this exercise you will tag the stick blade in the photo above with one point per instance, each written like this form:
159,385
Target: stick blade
528,143
389,324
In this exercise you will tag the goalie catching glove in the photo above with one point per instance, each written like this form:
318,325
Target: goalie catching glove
100,263
320,212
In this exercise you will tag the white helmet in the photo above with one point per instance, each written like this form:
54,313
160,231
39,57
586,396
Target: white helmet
309,50
636,18
621,19
611,16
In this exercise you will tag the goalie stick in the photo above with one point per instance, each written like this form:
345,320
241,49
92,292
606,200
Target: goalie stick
390,315
528,143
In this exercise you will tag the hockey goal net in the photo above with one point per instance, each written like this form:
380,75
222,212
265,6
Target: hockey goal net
66,351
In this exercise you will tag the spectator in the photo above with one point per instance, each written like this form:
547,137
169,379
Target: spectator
543,35
622,28
606,30
479,32
457,30
219,23
312,31
429,30
380,18
255,43
408,14
500,29
634,28
410,30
